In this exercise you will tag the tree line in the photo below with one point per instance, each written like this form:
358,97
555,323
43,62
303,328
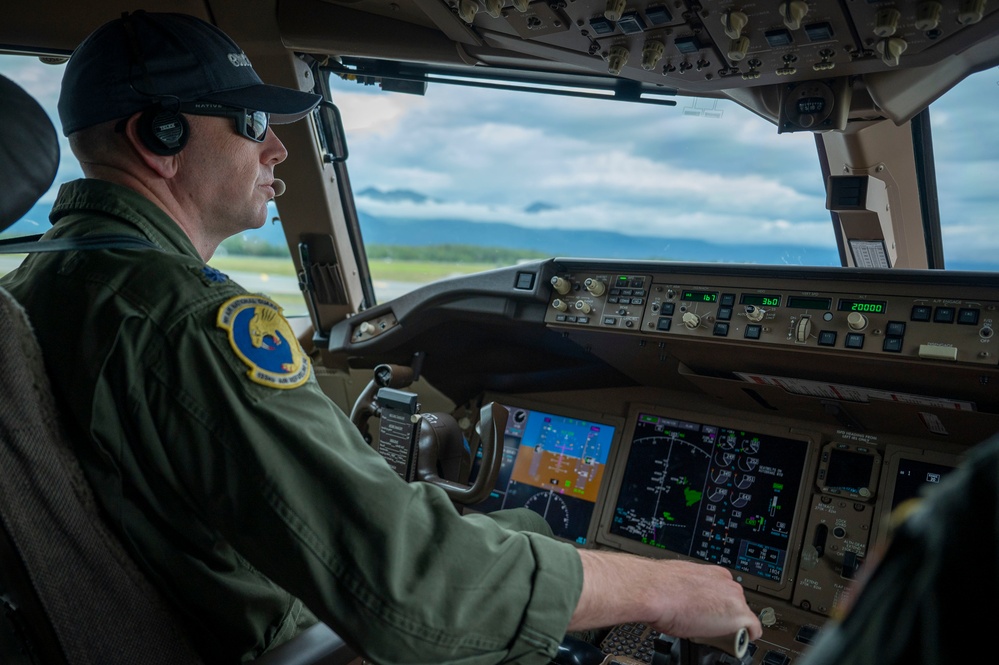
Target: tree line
446,253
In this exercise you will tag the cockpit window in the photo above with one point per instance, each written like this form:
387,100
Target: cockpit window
967,157
545,175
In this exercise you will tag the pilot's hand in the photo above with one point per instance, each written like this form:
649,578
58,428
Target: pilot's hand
679,598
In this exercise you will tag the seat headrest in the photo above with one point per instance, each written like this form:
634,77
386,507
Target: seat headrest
29,152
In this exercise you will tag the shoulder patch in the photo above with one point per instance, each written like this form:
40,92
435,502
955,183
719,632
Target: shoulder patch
264,340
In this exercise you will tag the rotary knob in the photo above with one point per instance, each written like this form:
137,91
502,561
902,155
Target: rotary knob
561,285
560,305
754,313
856,321
583,307
595,286
691,320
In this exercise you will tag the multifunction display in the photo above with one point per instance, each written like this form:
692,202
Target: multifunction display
555,466
725,496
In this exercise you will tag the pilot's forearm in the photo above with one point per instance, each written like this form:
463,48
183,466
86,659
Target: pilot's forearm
681,598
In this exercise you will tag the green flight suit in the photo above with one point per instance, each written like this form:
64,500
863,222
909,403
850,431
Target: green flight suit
244,493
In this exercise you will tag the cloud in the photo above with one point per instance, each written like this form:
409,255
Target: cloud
704,169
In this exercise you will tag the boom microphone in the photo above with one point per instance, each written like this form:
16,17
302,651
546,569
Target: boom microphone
279,187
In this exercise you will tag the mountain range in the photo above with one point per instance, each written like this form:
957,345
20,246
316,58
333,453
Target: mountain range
551,242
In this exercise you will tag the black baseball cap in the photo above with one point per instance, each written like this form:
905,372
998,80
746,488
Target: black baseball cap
147,58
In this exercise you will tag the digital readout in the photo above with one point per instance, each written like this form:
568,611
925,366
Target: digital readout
798,302
866,306
759,300
811,105
699,296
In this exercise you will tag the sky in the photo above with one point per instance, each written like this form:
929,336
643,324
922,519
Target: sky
711,171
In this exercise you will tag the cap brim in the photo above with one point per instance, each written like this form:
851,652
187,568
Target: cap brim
284,104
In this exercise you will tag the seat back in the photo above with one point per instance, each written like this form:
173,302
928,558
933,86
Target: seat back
99,607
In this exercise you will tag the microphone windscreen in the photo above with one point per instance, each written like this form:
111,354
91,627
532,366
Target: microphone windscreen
279,187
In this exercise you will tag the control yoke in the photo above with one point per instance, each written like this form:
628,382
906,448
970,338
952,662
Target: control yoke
429,447
439,435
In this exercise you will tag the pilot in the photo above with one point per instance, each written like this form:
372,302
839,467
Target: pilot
927,599
241,489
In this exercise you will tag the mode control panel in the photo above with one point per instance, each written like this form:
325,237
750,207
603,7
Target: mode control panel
610,300
951,327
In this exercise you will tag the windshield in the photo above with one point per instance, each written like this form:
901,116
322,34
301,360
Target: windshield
464,179
547,175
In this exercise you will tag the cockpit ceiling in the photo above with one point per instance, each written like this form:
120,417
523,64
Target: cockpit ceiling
857,60
901,55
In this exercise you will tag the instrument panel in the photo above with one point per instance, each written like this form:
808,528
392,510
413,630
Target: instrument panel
767,419
794,512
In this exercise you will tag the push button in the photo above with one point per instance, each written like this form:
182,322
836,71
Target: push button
937,352
827,338
967,316
943,315
893,344
895,328
854,341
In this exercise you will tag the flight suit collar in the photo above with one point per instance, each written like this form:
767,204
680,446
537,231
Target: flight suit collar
92,196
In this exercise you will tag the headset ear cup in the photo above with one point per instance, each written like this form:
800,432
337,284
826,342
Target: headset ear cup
163,131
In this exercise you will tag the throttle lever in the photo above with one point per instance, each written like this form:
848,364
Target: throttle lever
724,650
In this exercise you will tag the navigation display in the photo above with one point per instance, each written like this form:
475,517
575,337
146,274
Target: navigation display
722,495
554,465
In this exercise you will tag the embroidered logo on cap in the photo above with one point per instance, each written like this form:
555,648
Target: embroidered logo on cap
239,60
264,340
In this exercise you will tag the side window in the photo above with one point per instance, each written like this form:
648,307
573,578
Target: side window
258,259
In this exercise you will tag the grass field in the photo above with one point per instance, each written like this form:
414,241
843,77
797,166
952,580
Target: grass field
286,291
276,277
396,271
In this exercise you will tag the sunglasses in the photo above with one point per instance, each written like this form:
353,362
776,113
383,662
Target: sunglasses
251,124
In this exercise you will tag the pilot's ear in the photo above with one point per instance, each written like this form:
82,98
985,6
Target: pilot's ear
165,165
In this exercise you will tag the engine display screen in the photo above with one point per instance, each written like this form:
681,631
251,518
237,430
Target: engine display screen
554,465
725,496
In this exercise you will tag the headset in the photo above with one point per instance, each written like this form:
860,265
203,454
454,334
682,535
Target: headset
162,127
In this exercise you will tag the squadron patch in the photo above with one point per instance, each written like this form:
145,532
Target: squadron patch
263,339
